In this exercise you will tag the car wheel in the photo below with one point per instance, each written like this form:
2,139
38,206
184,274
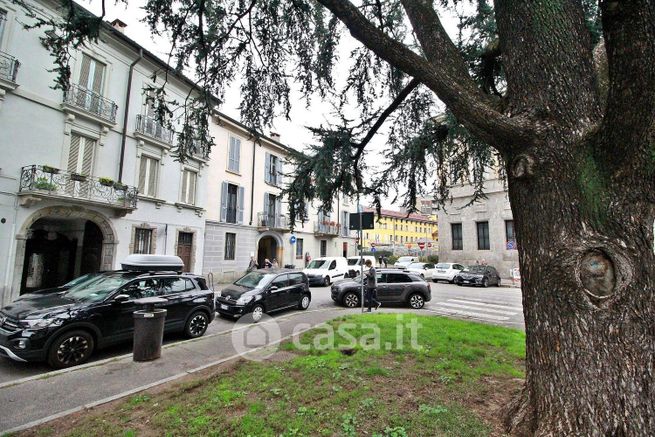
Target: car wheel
196,325
458,282
326,281
416,301
485,282
304,302
70,349
257,313
351,300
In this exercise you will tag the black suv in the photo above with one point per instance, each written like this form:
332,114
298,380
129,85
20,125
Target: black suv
263,291
65,328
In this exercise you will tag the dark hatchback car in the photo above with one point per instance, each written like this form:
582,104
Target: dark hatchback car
65,328
478,275
264,291
393,287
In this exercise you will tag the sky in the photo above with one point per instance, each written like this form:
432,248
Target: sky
293,132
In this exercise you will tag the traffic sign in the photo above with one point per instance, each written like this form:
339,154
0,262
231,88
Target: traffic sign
293,239
373,249
421,245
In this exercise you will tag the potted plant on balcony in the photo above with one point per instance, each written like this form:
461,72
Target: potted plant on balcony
120,186
107,182
43,183
50,169
78,177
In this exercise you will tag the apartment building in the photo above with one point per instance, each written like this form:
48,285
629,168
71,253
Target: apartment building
247,214
86,176
399,232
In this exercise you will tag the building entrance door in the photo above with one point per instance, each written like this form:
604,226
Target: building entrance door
185,248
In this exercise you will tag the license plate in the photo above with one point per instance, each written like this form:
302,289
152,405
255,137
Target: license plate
223,307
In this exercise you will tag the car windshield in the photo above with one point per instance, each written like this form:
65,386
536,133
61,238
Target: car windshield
353,261
443,266
255,279
82,279
318,264
99,288
474,269
404,259
416,266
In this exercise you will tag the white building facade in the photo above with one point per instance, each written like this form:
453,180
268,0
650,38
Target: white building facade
72,163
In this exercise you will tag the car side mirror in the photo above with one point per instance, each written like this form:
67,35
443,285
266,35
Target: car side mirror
273,288
120,298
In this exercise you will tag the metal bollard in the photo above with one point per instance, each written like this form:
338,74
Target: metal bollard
148,329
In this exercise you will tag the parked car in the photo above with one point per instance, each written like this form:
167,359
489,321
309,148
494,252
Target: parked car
354,264
446,272
404,261
65,328
424,270
79,280
264,291
393,287
478,275
323,271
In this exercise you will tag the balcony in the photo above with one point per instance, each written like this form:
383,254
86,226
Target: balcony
82,101
151,128
39,182
8,68
200,151
326,229
274,222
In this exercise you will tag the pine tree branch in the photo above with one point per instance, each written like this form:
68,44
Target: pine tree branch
470,106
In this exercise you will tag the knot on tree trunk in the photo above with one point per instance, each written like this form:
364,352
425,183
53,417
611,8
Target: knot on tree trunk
523,166
597,274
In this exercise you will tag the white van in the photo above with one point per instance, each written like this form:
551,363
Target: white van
404,261
322,271
354,266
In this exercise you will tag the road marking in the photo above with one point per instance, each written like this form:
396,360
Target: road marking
486,302
476,315
469,307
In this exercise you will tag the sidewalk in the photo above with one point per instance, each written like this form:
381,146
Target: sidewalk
28,402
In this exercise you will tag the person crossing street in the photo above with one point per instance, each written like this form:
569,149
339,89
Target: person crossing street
371,286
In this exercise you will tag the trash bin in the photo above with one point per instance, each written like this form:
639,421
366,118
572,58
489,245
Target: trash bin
148,329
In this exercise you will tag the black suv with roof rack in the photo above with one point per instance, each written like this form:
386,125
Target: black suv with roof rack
65,328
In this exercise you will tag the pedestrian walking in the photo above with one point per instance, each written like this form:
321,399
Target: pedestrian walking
275,264
371,286
380,259
384,260
253,264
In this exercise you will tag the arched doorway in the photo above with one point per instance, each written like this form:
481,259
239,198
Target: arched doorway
266,249
57,244
58,250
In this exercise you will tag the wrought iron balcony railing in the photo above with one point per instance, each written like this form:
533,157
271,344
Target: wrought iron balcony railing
91,102
8,67
326,228
272,221
151,127
40,179
200,150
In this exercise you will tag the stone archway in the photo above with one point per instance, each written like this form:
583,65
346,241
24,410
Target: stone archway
53,213
270,245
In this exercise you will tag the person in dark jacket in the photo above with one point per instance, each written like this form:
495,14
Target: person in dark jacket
371,286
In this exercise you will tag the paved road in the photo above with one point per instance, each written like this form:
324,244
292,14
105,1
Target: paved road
501,306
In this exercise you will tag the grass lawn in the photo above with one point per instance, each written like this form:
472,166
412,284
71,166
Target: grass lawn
452,381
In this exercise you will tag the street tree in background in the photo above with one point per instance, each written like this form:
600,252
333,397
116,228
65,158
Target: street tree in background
560,92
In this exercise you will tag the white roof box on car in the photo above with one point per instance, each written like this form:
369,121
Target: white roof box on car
152,263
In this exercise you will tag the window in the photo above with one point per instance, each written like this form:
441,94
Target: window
230,245
323,247
142,240
299,248
80,155
456,230
273,171
483,235
148,287
189,178
232,199
397,278
295,278
272,209
510,236
3,20
234,154
148,176
91,74
175,285
281,281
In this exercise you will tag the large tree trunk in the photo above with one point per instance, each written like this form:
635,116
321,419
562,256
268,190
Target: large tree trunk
588,276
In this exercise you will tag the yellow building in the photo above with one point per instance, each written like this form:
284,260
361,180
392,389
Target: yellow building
395,230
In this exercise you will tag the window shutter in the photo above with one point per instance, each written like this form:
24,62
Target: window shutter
84,71
280,172
184,185
266,211
152,179
87,158
73,154
267,171
240,200
97,77
278,206
191,200
142,176
223,201
230,155
237,154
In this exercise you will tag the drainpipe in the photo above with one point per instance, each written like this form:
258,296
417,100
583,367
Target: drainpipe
126,115
252,182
